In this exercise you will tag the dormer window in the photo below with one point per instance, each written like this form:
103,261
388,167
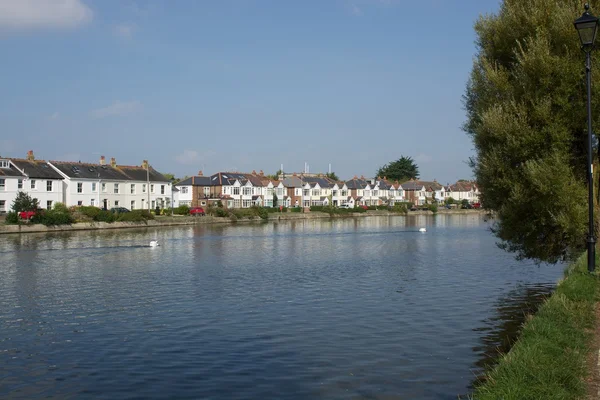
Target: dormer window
4,164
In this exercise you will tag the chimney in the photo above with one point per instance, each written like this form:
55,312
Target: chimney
261,173
102,160
144,164
355,177
113,162
253,172
362,177
200,173
30,156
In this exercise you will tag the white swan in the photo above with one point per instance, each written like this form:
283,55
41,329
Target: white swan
422,230
154,243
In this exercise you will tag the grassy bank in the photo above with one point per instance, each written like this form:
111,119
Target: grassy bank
549,359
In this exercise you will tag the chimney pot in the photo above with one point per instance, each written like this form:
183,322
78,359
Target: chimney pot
102,160
30,156
113,162
200,173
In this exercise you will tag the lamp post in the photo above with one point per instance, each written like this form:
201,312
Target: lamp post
587,28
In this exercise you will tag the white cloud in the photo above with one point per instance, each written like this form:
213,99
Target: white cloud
355,10
117,108
124,31
43,14
188,157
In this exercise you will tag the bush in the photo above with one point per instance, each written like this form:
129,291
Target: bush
296,209
105,216
61,208
182,210
60,216
219,212
260,212
400,208
433,208
88,211
134,216
11,218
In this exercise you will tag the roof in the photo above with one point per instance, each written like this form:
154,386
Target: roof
10,171
107,172
256,197
356,183
195,181
225,178
412,185
323,182
38,169
292,181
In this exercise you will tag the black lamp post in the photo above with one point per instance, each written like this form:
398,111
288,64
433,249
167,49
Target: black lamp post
587,27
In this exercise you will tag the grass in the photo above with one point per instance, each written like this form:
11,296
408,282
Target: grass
549,359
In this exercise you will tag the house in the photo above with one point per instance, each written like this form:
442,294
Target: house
434,192
414,192
463,190
34,177
107,186
194,191
293,190
356,187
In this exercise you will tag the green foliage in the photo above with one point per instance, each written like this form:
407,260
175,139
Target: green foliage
105,216
12,217
526,108
549,359
402,169
61,208
450,200
220,212
464,202
182,210
24,202
260,212
134,216
433,208
332,176
296,209
54,217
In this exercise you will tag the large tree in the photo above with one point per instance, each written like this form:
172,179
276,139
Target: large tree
525,103
402,169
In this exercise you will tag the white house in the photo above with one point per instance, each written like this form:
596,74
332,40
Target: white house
108,186
34,177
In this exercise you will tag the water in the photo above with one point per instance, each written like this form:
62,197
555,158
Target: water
344,309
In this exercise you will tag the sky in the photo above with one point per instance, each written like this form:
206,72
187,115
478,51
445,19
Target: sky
240,85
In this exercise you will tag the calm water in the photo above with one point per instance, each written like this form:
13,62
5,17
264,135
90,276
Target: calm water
346,309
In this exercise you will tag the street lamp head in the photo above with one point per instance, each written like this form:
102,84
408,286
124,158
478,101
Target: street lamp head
587,27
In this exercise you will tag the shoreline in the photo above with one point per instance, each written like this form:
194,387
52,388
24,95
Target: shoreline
186,220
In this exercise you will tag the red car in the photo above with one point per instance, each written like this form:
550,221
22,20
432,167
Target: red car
476,205
197,211
363,207
27,214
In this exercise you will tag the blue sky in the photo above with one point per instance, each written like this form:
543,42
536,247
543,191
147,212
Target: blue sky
240,84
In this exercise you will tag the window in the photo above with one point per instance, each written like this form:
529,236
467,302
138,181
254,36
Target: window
280,192
93,202
4,164
153,204
306,191
317,192
162,189
335,193
203,203
247,204
94,187
236,190
247,191
116,188
103,187
49,205
132,205
184,190
2,205
3,184
116,203
79,202
236,203
79,187
144,188
269,192
133,188
206,191
48,186
33,183
151,188
20,184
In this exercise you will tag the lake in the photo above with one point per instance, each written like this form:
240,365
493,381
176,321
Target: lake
365,308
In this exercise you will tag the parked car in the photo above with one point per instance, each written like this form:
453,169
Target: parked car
28,214
195,211
119,210
476,205
363,207
467,206
346,206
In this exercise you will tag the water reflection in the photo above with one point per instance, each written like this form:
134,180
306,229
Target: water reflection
337,309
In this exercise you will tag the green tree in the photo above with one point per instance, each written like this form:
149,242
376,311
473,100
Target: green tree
275,176
24,202
450,200
332,176
526,115
402,169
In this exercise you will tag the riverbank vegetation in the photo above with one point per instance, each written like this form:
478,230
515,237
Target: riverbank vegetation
549,359
526,115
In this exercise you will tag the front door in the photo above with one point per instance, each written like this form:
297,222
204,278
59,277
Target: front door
105,204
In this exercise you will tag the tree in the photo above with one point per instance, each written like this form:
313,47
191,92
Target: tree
24,202
526,116
332,176
275,176
402,169
450,200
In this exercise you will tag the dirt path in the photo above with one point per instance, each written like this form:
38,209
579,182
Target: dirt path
593,362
